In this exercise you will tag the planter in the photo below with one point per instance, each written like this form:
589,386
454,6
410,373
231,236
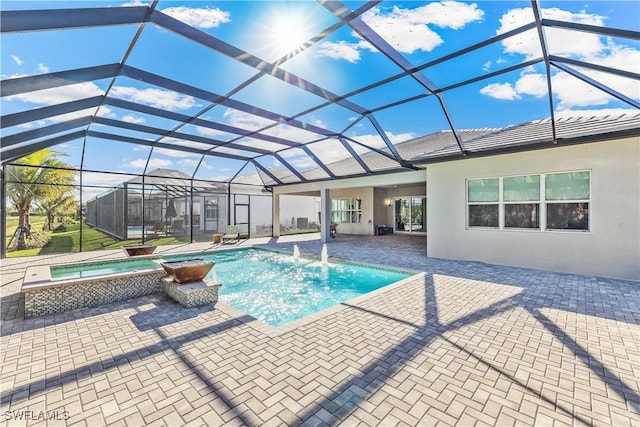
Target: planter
188,270
135,250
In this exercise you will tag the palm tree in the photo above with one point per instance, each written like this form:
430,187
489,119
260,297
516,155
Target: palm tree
32,178
59,200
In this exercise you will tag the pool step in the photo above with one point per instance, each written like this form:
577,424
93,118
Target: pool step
192,294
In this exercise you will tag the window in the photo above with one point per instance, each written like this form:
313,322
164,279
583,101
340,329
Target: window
554,201
521,196
483,196
211,211
346,210
567,196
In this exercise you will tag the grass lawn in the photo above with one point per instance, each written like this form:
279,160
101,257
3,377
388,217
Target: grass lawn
67,239
37,221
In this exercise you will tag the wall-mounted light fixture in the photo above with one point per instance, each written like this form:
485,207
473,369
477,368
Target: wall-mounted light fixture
387,202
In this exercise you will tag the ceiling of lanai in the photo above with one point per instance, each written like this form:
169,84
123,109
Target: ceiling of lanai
303,91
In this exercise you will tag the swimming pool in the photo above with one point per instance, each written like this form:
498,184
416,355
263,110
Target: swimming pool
276,289
270,286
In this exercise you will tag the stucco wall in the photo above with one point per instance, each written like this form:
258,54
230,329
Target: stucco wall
612,246
382,214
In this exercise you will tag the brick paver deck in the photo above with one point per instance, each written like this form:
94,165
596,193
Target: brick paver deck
462,344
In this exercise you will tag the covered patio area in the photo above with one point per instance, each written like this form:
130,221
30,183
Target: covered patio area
463,343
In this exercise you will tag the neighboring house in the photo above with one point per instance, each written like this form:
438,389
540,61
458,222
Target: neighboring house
199,207
516,197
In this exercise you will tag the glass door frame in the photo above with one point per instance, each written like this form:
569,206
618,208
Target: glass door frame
407,224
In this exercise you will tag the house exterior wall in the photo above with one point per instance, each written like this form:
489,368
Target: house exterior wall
382,214
612,246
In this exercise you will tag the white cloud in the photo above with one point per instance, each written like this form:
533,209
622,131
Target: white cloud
159,98
153,163
187,143
102,179
340,50
213,133
135,3
534,84
43,68
205,165
298,159
188,162
560,42
130,118
199,17
618,56
291,133
59,95
70,116
569,91
407,30
487,66
503,91
94,183
259,143
572,92
248,121
16,59
174,153
245,120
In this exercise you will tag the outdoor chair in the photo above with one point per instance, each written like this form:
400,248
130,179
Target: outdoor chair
333,230
177,226
232,234
157,228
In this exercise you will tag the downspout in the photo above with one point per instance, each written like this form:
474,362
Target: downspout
3,213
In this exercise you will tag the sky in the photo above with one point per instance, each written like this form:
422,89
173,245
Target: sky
339,63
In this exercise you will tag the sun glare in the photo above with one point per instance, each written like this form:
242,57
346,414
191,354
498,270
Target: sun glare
288,32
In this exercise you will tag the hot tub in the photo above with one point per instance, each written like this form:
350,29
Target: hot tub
42,295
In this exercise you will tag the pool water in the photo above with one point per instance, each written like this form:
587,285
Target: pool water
92,270
272,286
276,289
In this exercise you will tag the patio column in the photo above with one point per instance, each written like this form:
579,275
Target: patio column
325,214
276,215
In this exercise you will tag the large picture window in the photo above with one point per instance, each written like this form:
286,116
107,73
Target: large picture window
553,201
346,210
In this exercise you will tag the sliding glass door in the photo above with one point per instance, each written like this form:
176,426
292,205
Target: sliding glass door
409,214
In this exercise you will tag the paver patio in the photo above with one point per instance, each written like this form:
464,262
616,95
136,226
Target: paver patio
463,344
